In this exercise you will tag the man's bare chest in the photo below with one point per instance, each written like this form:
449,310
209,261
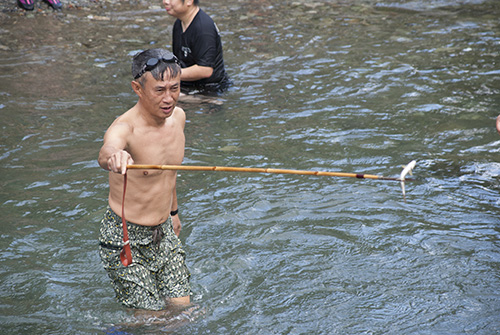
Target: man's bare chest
157,148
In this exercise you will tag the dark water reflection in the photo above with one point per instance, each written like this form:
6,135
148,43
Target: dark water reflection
359,86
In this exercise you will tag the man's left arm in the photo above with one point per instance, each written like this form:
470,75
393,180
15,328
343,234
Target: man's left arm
176,221
196,72
204,53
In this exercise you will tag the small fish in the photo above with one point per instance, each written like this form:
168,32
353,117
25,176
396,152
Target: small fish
407,170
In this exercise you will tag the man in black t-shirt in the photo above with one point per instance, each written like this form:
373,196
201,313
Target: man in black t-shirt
197,44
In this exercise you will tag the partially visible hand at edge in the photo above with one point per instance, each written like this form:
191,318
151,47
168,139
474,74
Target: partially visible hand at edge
176,224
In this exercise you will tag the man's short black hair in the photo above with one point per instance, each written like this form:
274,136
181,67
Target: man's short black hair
166,61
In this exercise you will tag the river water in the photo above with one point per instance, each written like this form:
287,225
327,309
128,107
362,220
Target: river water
353,86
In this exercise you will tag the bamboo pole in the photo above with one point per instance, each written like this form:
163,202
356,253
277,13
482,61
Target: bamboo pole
260,170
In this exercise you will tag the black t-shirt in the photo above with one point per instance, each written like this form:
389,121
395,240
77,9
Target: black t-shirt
200,44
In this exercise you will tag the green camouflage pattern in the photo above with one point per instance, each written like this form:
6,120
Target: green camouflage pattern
158,271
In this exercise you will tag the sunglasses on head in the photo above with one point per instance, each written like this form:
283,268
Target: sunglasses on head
153,62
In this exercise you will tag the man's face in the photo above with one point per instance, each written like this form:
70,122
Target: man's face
176,8
160,97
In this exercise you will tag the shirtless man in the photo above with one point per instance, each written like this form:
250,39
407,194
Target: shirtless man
151,132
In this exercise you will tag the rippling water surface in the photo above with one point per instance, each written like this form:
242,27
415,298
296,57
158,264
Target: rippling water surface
353,86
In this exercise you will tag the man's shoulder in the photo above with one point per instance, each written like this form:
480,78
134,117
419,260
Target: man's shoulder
180,114
203,19
125,122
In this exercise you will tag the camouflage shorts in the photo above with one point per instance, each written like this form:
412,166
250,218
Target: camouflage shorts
158,270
